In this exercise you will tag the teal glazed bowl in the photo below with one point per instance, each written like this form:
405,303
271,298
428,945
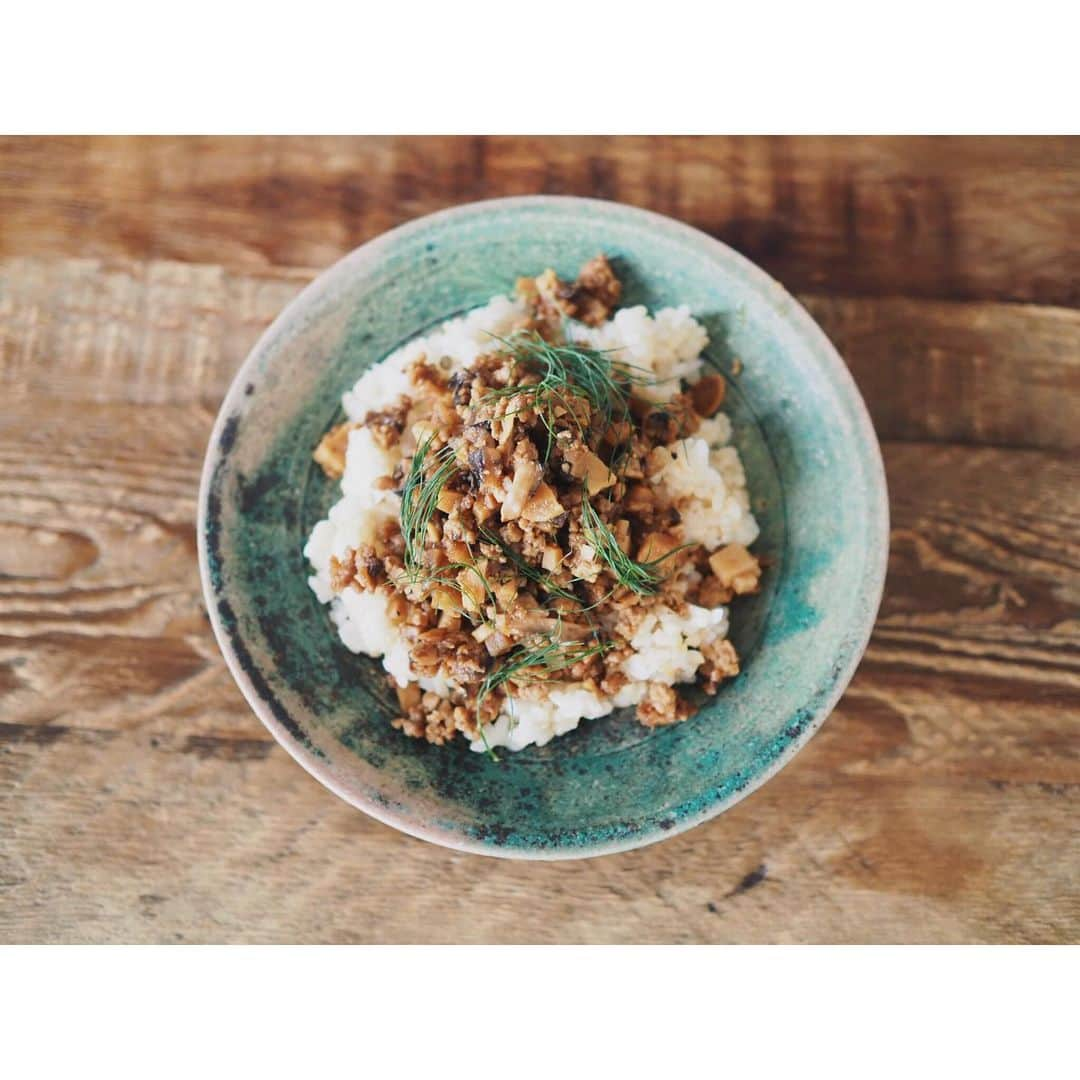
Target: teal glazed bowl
815,474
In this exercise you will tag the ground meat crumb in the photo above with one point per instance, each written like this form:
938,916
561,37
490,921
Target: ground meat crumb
361,568
432,718
438,719
342,571
503,561
662,706
721,662
712,593
453,653
598,291
368,572
590,299
386,425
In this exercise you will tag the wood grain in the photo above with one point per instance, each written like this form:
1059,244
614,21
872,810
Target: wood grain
946,218
140,800
991,374
149,333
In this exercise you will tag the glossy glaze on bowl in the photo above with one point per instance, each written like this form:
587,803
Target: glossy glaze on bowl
813,466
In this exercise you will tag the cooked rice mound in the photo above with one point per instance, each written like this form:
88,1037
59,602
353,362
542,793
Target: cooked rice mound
541,517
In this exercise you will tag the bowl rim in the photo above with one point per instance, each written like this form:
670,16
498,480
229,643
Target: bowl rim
825,353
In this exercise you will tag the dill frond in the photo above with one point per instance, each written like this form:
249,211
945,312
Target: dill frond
447,577
546,653
642,578
571,371
419,498
604,380
547,401
527,570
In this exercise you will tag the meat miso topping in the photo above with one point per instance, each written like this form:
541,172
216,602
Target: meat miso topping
536,537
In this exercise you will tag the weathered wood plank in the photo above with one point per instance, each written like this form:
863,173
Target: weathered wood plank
997,374
101,623
974,218
139,333
140,837
141,800
161,332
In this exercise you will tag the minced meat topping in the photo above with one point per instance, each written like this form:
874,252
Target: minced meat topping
532,539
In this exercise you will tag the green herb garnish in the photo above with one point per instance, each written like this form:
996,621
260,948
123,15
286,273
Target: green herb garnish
447,576
527,570
420,497
546,652
567,372
639,577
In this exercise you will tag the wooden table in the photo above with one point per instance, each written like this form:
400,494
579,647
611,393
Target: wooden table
140,799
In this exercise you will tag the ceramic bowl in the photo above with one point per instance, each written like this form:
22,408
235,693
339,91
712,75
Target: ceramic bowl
814,470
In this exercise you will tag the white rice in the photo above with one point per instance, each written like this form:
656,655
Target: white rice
704,469
713,482
668,345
